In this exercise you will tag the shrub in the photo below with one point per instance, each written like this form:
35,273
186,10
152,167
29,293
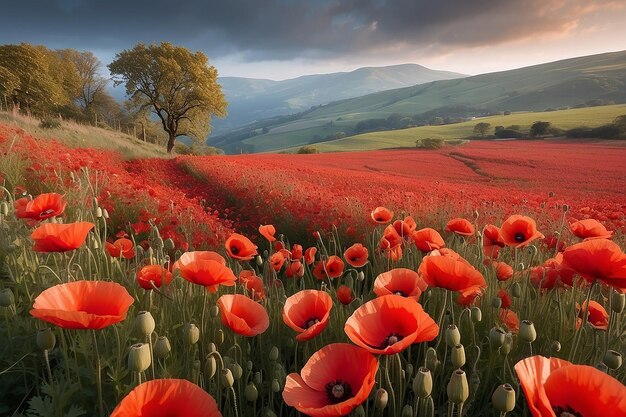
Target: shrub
50,123
608,131
508,133
579,132
430,143
307,150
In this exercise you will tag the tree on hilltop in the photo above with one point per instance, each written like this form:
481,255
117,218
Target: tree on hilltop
482,128
177,85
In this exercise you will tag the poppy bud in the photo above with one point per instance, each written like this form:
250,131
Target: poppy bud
458,356
458,390
431,359
423,383
612,359
359,411
565,208
506,347
381,398
275,385
274,354
139,357
95,242
105,213
214,311
527,332
618,301
409,369
220,336
191,334
407,411
4,208
169,244
212,347
265,254
7,299
453,336
237,371
227,378
46,339
210,366
503,398
144,323
251,393
496,337
258,378
162,347
556,346
496,302
98,212
476,314
249,365
516,290
360,276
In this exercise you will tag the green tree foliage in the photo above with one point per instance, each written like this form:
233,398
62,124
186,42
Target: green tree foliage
92,85
178,85
481,129
539,128
620,122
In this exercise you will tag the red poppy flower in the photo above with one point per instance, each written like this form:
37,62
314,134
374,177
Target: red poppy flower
345,295
268,231
590,229
295,269
307,313
553,387
83,304
57,237
428,239
552,273
505,298
332,268
451,274
121,247
392,236
492,241
382,215
253,284
240,247
509,319
598,259
19,207
393,253
460,226
242,315
469,299
400,281
518,231
597,316
296,252
45,206
504,271
309,255
554,242
356,255
334,381
167,397
277,260
205,268
153,274
389,324
405,227
450,254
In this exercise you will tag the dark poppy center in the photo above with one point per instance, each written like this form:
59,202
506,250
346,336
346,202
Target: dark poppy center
520,237
234,250
311,322
338,391
401,293
566,411
392,339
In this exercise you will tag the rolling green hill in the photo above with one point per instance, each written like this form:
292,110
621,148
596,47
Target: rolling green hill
564,119
578,81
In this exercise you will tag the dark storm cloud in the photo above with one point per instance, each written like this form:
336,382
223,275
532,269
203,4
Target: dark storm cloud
278,29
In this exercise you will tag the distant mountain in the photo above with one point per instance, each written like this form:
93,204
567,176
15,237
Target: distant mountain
588,80
252,99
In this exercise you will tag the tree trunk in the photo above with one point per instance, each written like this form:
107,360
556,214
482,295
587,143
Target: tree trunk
170,142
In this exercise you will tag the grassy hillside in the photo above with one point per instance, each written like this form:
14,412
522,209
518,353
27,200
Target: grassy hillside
558,84
81,136
564,119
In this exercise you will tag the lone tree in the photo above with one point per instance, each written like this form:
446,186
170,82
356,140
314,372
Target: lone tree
539,128
178,85
482,128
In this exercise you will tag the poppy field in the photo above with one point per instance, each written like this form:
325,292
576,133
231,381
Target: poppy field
482,280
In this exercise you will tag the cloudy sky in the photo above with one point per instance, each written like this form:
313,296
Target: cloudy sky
280,39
